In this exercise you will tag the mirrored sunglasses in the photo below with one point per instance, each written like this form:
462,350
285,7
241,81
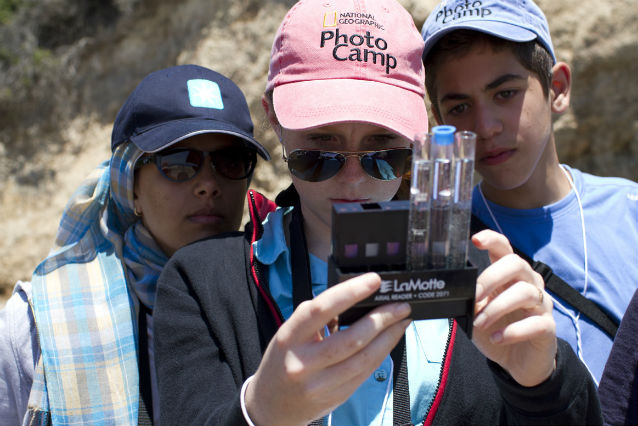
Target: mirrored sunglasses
317,166
182,164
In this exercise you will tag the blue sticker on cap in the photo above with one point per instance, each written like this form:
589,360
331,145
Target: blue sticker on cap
205,94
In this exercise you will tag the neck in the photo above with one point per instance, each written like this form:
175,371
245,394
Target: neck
317,235
554,187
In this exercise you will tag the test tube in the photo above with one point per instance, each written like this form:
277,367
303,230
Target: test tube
419,212
441,154
464,147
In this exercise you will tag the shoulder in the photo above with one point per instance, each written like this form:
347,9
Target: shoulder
16,320
623,359
619,382
631,314
214,248
208,266
18,338
606,195
605,183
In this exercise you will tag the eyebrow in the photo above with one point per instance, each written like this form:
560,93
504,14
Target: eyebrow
492,85
503,79
379,133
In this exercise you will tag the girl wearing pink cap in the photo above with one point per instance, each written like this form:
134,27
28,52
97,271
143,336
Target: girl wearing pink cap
246,326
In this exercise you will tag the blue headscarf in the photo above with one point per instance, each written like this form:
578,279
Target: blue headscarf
84,300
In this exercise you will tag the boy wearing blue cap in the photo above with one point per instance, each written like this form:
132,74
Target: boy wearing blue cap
491,68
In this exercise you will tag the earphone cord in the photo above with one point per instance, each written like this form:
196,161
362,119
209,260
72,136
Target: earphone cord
574,319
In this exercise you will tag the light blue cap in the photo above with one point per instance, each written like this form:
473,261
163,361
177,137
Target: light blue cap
515,20
443,135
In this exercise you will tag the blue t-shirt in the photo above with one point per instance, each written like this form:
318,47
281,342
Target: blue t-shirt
553,234
371,404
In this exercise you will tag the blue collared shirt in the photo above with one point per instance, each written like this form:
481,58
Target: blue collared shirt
371,403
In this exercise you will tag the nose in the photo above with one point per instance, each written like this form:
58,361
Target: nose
352,172
207,181
487,122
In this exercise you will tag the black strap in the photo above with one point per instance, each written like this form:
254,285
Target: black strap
559,287
572,296
302,290
301,281
145,409
401,395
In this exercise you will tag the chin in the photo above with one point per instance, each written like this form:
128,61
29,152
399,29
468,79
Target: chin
501,181
208,234
199,236
500,186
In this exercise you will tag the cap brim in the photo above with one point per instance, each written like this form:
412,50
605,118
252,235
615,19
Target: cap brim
172,132
308,104
503,30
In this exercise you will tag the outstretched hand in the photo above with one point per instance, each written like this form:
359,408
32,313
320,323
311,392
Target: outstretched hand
513,323
305,374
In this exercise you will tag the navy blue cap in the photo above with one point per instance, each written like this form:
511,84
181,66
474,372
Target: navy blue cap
175,103
515,20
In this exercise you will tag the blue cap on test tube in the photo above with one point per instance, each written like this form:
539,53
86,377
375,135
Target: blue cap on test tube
443,135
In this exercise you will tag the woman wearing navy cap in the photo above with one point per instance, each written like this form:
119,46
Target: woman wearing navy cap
183,154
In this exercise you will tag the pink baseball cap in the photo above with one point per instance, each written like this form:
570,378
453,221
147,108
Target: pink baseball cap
334,61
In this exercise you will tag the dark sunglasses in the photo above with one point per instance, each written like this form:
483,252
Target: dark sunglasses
182,164
317,166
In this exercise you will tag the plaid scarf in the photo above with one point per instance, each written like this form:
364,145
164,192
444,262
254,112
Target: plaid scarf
84,306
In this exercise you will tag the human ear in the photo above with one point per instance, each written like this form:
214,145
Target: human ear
561,87
137,205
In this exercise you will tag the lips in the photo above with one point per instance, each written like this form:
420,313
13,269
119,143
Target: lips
206,216
497,156
349,200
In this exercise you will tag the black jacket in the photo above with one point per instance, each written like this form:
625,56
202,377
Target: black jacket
214,317
619,384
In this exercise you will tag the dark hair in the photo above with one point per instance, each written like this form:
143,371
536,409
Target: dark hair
531,55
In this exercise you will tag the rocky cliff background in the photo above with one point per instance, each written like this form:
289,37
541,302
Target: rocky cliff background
66,66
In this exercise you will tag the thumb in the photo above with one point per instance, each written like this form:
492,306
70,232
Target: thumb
497,245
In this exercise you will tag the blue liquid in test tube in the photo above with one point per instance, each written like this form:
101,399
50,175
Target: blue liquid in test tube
442,155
